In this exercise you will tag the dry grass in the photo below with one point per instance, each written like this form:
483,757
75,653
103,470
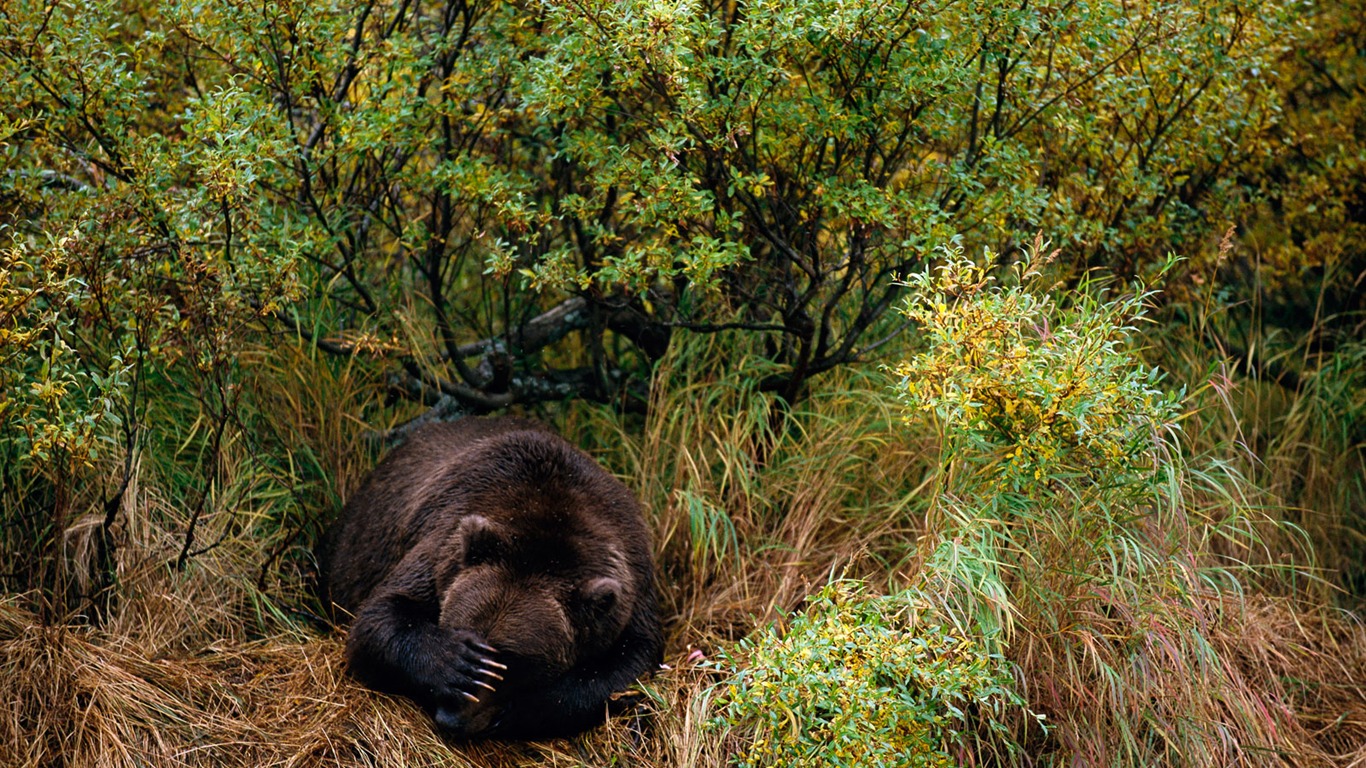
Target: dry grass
755,506
85,700
1316,661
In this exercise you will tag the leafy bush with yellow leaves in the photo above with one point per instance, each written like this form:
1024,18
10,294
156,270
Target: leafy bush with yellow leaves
1070,522
1028,386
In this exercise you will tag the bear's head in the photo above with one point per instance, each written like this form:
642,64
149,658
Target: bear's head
548,598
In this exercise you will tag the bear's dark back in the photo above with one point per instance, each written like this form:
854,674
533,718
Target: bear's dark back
489,466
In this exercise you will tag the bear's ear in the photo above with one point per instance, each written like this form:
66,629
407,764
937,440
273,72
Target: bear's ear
601,595
479,541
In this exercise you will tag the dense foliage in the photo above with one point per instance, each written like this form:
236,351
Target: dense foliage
458,186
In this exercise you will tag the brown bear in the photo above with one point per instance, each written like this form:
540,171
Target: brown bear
496,575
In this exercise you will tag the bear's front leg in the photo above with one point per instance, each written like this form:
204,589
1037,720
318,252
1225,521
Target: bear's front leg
396,646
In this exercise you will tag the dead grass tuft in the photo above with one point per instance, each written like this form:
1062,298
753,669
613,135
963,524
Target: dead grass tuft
1314,662
87,699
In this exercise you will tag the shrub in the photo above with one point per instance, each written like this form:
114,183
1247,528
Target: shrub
60,409
858,680
1072,525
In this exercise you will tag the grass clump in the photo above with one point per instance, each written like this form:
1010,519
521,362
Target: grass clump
857,680
1070,522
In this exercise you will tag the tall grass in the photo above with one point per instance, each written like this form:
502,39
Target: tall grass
1335,476
1314,465
1288,411
1077,525
756,502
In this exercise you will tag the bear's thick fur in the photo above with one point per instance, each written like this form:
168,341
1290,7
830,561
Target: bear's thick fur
498,576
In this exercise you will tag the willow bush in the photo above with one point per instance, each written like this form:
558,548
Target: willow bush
857,679
1072,525
517,202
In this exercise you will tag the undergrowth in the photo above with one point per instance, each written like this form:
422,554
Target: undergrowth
1057,563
